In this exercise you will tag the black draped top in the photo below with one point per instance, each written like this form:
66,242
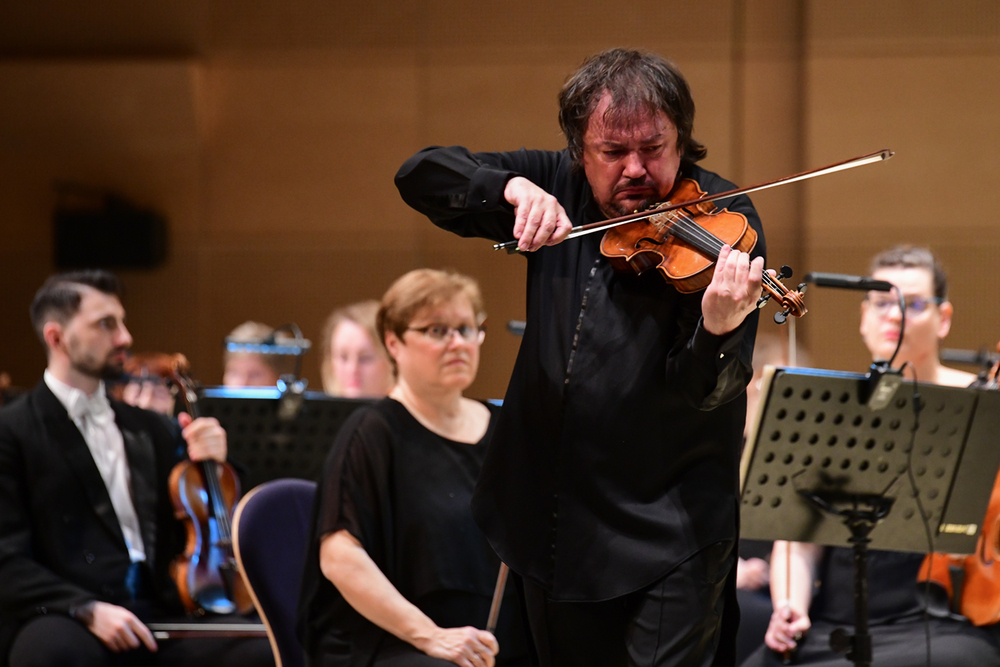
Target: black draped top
404,493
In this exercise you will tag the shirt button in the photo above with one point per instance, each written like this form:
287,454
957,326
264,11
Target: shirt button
722,356
41,610
90,558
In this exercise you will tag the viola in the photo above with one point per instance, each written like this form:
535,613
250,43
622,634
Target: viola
980,601
204,494
684,243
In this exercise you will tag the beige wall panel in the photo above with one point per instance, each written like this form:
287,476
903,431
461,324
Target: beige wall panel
308,148
300,285
940,118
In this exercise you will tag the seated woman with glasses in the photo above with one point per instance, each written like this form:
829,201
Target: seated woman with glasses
397,572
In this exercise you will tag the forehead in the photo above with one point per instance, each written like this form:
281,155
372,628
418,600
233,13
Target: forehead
644,126
96,305
457,307
912,281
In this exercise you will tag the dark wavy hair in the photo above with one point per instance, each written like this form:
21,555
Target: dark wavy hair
59,298
639,82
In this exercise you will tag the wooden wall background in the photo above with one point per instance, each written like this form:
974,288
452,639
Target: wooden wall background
268,134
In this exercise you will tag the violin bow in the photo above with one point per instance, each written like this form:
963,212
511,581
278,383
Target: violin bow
491,622
582,230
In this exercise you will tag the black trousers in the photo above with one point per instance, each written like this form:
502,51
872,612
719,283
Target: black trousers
55,640
686,619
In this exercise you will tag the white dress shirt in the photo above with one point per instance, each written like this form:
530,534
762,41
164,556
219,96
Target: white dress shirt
96,420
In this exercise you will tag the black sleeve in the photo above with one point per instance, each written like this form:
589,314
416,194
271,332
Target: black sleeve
355,487
705,370
462,192
28,588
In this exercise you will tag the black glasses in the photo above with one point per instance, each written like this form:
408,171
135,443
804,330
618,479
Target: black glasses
915,305
440,333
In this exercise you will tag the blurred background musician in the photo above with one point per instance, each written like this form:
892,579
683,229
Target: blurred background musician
252,369
803,621
354,362
398,573
87,529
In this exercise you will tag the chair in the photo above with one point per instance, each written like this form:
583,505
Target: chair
271,529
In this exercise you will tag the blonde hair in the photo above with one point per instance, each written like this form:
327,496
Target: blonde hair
419,289
257,332
363,314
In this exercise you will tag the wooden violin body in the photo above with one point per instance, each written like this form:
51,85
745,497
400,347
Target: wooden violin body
205,573
204,495
684,244
673,242
980,595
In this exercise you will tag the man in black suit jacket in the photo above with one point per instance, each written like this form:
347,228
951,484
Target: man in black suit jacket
86,526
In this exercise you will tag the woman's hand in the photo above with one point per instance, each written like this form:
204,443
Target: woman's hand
787,627
468,646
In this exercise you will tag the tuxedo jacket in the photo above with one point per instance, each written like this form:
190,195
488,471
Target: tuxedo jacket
61,545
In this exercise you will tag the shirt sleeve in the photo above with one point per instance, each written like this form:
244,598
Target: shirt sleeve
706,370
356,485
463,192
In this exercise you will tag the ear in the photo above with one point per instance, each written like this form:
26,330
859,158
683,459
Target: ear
52,332
944,324
392,344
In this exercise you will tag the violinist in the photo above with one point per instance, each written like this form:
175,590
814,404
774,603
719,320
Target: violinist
610,485
802,621
86,525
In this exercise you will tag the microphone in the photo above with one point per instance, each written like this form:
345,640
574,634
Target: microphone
844,281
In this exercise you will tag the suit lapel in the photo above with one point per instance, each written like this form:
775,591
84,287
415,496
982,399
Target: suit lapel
65,437
142,465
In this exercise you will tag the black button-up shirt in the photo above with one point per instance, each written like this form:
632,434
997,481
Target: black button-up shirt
616,455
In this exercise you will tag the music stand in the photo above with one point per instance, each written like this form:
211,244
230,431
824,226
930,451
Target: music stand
820,466
273,434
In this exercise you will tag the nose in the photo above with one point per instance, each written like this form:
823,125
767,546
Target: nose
635,166
124,337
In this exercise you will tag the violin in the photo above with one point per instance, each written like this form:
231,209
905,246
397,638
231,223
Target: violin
694,245
980,598
204,494
683,243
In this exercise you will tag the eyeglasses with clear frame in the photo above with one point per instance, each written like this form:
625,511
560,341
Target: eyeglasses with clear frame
441,333
915,305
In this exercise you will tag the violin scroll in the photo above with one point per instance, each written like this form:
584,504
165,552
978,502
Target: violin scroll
792,301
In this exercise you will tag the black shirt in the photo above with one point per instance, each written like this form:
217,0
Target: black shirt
616,454
404,493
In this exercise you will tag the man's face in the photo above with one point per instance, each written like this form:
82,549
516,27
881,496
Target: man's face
630,167
880,317
95,340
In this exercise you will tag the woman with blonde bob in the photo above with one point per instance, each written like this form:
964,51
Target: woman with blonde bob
398,573
355,364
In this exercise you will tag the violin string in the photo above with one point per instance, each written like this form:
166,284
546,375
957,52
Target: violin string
696,234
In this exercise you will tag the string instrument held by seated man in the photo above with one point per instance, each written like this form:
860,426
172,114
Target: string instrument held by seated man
980,572
204,494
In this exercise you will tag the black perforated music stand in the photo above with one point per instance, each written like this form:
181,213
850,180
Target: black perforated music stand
822,467
273,435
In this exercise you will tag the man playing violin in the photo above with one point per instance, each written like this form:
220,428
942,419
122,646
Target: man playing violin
815,595
86,525
610,487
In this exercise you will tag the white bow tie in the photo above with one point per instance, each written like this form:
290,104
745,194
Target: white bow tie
95,408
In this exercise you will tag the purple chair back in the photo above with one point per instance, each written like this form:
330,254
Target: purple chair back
271,529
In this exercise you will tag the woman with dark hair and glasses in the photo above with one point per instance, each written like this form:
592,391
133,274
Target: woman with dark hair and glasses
398,573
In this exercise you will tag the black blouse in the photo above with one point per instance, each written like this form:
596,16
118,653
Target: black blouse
404,493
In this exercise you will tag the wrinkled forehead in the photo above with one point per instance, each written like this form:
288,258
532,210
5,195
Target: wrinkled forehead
912,281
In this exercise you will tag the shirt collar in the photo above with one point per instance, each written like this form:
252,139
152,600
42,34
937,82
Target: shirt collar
76,402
